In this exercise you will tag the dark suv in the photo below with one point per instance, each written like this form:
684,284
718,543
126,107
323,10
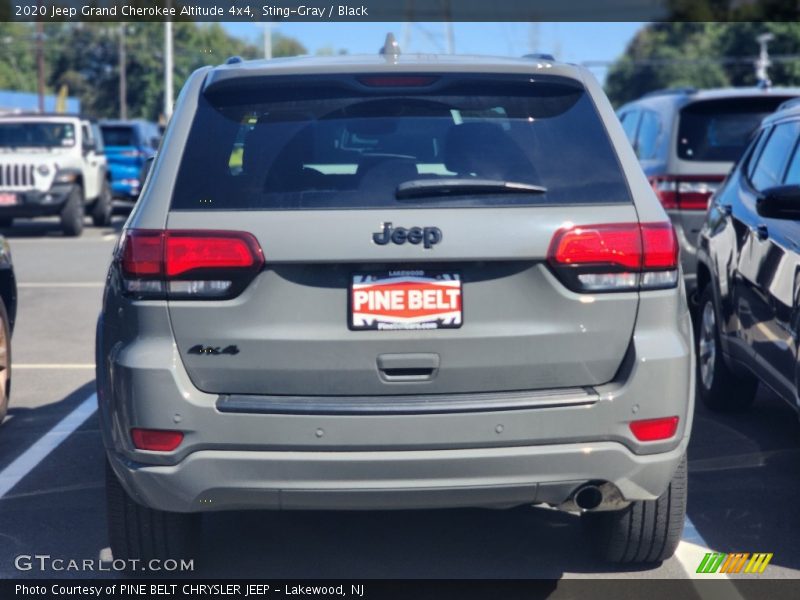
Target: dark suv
394,282
748,272
687,140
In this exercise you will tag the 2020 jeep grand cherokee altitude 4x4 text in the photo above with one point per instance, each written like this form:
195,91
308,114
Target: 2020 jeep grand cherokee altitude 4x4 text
396,282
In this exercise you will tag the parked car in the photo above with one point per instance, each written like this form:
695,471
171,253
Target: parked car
413,282
8,315
749,272
687,140
128,145
53,165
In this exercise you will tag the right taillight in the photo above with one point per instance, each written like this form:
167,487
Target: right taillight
613,257
180,264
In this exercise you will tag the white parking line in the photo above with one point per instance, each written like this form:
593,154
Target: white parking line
690,553
64,284
28,460
26,366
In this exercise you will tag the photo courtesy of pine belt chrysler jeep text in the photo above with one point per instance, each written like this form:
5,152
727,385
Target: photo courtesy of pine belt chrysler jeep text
396,282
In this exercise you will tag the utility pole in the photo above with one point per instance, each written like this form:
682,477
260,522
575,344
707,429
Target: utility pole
449,37
40,62
168,92
763,62
123,74
267,40
533,38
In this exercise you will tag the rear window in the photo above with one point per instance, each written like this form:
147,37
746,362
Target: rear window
720,130
118,136
291,144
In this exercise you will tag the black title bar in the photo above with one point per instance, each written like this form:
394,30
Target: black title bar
398,10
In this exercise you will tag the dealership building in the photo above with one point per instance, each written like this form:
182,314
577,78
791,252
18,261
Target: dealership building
11,102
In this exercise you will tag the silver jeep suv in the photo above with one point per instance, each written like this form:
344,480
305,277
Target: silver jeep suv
396,282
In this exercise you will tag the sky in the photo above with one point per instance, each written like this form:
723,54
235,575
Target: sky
570,42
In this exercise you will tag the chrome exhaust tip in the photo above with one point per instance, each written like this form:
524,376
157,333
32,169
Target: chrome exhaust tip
588,497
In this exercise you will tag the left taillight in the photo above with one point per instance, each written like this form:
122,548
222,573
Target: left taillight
614,257
181,264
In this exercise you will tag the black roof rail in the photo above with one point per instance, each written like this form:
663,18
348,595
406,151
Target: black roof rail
676,91
540,56
791,103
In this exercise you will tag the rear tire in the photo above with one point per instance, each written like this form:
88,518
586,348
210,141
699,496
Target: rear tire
101,211
138,532
719,388
72,214
647,531
5,360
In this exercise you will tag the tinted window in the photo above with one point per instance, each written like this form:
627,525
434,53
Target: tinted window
793,172
629,122
98,138
756,154
647,139
20,134
720,130
332,144
119,135
772,162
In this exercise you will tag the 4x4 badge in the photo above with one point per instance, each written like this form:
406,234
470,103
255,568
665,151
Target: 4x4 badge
427,236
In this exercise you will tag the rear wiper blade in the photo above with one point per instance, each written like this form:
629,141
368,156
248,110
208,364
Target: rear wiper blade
419,188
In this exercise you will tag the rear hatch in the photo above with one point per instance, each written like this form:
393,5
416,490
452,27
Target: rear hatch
712,135
405,224
122,146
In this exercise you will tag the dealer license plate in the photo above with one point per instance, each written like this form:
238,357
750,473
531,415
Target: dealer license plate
394,300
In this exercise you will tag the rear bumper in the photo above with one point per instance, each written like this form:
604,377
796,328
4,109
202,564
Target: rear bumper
125,180
236,480
539,451
125,189
37,204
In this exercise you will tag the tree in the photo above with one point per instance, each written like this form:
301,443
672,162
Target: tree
701,55
658,57
84,56
18,66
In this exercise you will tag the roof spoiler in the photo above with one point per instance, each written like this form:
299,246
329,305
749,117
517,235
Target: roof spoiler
540,56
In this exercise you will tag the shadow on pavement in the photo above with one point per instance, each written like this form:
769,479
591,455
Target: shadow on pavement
23,426
744,488
466,543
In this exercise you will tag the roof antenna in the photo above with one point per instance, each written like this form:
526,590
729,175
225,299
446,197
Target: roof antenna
390,46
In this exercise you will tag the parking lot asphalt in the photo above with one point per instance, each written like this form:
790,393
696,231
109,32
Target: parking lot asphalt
744,472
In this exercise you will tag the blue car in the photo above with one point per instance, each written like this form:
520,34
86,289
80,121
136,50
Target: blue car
128,146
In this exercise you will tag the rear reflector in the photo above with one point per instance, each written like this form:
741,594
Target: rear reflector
685,193
652,430
188,264
156,440
616,256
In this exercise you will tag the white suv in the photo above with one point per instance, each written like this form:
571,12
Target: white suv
53,165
